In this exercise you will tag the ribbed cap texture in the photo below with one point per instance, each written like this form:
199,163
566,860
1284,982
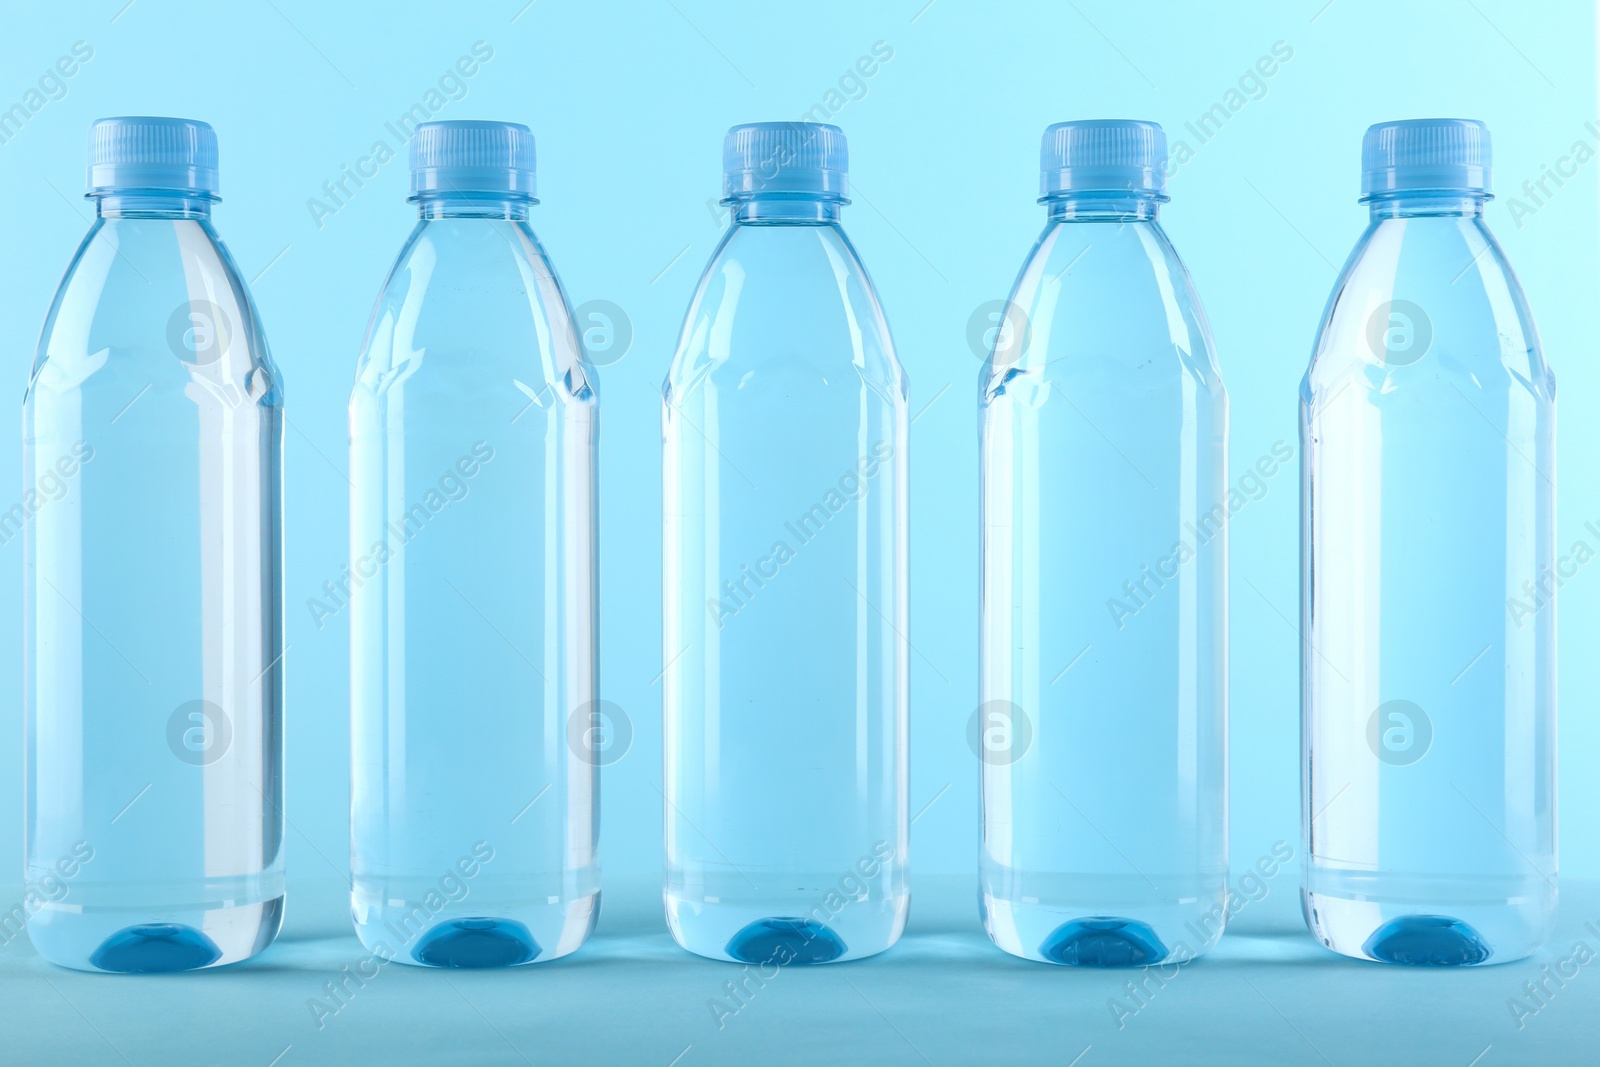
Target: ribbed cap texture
785,158
471,156
1451,155
1103,155
152,153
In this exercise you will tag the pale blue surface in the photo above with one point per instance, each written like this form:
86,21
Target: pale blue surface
629,111
944,996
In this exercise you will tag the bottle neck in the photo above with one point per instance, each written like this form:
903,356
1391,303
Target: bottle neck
153,205
493,206
1427,204
1103,207
780,210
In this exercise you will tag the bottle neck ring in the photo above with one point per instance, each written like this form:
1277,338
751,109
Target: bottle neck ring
1424,203
153,204
1103,206
781,210
474,206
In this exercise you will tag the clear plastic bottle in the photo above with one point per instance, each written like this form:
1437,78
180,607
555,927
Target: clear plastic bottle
1428,670
473,429
152,582
1102,727
785,578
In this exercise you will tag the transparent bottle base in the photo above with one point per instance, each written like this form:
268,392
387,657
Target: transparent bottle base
150,940
1101,920
417,925
816,921
1428,920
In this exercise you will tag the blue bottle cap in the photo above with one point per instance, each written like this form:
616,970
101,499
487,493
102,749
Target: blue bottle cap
1103,156
1450,155
138,152
794,159
472,157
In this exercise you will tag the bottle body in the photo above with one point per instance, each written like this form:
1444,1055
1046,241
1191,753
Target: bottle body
784,558
1428,667
1102,727
153,604
473,629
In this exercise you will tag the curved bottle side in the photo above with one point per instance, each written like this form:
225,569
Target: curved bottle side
705,341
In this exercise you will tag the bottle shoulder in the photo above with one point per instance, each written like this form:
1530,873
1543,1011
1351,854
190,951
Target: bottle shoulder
1106,302
788,301
475,303
1425,304
159,300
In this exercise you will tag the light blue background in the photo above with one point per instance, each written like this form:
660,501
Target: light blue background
629,103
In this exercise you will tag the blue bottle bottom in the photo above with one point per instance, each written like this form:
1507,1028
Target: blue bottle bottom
155,948
154,940
786,941
1103,941
1427,941
1102,920
477,942
491,925
791,920
1427,920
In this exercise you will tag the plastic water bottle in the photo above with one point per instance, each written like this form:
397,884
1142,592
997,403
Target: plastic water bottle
785,578
472,574
1102,727
1428,528
152,582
